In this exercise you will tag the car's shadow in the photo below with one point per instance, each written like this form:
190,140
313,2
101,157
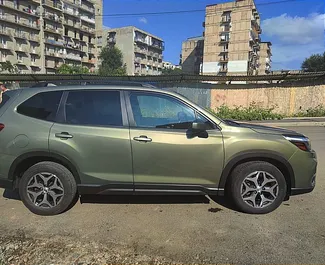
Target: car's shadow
142,199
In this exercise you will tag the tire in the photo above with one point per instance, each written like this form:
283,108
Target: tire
260,199
47,188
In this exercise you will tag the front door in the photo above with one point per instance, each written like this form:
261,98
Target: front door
163,151
93,134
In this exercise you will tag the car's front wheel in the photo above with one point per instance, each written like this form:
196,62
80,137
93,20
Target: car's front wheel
47,188
257,187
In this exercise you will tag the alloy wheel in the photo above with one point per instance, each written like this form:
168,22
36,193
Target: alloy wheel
45,190
259,189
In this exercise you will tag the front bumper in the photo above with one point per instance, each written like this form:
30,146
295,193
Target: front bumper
297,191
6,183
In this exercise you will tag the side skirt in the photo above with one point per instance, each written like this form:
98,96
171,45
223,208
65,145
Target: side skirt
150,189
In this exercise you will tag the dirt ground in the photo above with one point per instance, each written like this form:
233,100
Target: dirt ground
168,230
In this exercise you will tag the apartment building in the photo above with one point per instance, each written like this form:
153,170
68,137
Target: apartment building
232,38
142,51
192,55
169,65
265,58
40,35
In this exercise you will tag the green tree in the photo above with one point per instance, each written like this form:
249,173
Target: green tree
315,63
169,71
8,67
72,69
111,62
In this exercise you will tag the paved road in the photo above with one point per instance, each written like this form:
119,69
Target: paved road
190,229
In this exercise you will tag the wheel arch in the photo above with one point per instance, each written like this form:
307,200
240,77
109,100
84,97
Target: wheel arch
274,158
23,162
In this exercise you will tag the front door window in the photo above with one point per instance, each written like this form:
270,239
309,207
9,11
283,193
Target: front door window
160,111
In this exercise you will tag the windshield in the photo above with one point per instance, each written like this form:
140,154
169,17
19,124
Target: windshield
6,96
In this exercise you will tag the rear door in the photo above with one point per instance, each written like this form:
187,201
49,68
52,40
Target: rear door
92,132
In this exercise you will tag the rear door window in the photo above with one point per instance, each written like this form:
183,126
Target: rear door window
94,108
41,106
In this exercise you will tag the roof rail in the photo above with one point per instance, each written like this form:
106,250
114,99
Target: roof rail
91,82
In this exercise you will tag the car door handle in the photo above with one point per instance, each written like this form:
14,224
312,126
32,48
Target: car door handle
142,138
63,135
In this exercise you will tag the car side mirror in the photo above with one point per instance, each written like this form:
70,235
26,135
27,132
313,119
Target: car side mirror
197,129
198,126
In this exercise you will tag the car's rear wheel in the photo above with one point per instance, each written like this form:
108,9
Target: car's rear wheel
47,188
257,187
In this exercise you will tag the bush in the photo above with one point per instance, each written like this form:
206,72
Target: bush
318,111
252,112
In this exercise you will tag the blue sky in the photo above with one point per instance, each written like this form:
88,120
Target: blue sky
295,28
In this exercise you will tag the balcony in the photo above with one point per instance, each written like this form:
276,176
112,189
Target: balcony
21,62
54,42
54,54
87,19
87,8
225,19
21,49
141,40
52,5
54,31
140,50
73,57
88,61
224,40
223,70
21,9
160,56
70,23
4,46
21,22
6,32
88,30
20,35
158,46
72,46
256,26
71,12
35,64
223,59
35,52
34,38
52,17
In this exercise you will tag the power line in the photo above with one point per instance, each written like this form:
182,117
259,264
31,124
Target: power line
188,11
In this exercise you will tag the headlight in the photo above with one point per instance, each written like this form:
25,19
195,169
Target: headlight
302,142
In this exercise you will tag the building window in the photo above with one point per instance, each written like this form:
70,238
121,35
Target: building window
19,57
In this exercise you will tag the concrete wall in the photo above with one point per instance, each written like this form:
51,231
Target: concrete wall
289,100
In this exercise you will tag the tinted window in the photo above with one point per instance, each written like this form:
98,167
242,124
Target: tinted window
101,108
160,111
41,106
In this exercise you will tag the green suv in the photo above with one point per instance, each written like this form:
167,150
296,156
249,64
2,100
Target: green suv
57,143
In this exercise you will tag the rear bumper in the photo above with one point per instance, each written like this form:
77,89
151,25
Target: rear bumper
6,183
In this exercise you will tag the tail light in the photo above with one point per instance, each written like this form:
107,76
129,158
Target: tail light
301,142
2,126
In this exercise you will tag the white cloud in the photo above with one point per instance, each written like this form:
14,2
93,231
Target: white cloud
294,38
143,20
295,30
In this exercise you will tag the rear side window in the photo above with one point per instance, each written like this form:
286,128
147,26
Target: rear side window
96,108
41,106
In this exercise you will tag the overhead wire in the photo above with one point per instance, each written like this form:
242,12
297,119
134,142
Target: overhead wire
190,11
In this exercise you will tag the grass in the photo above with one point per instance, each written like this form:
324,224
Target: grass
252,112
